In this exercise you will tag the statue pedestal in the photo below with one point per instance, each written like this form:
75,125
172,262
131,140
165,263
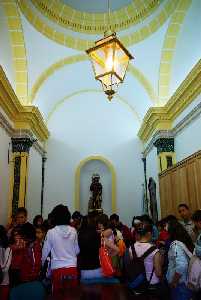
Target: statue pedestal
98,211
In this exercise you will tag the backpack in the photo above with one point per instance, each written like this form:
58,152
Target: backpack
194,274
134,268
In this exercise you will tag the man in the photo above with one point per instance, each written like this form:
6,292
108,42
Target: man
186,220
127,236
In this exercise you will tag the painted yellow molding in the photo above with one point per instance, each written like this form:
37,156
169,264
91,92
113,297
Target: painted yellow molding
169,48
83,57
59,103
94,23
161,118
18,48
77,180
82,44
23,117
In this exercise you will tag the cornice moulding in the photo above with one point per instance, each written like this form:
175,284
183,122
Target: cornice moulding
23,117
161,118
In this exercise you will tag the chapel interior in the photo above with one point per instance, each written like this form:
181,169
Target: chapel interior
58,129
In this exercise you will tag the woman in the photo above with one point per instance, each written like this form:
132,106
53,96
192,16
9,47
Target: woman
61,241
89,242
152,262
5,261
179,254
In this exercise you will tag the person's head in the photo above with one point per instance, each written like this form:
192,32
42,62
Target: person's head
178,232
16,235
3,237
184,211
21,216
28,233
40,233
102,222
146,219
77,218
61,215
145,232
136,222
37,221
196,217
114,220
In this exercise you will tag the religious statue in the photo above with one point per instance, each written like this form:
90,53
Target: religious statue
96,193
153,200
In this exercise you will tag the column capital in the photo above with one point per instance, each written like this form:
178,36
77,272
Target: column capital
164,145
21,144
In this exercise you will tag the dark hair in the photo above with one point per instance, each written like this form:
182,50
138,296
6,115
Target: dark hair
76,215
3,237
136,218
114,217
21,210
15,230
170,218
35,220
183,205
144,229
197,216
179,233
146,219
61,215
42,228
104,220
28,232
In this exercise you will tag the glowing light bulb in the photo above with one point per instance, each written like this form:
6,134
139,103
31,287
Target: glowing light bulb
109,62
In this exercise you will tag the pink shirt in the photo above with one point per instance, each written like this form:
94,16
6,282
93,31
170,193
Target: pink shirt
140,249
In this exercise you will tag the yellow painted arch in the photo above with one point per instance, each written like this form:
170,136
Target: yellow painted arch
70,96
18,49
77,180
75,42
83,57
169,47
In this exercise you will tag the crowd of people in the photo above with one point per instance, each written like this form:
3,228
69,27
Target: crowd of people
162,259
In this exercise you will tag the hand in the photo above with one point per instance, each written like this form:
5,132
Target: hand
173,284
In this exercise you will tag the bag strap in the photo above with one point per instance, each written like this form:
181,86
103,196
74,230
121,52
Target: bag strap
148,252
134,254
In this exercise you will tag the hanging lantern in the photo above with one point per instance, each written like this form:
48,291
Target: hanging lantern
110,61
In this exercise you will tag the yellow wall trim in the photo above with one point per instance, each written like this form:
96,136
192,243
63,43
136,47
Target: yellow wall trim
18,49
23,117
77,180
161,118
169,48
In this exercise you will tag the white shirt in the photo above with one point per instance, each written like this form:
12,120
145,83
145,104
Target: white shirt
5,261
62,242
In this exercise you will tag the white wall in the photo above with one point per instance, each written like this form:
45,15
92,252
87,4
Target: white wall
34,184
90,125
4,176
90,168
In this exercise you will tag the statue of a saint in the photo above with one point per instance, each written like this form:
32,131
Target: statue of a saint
96,193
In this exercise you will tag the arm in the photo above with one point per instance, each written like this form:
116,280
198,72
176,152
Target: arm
181,264
77,249
158,265
7,260
47,247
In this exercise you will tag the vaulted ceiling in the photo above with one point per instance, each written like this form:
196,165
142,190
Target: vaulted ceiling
44,43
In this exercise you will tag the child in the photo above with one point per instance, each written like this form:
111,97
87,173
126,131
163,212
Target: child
5,261
40,234
62,242
26,262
